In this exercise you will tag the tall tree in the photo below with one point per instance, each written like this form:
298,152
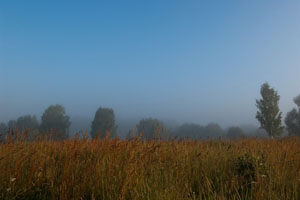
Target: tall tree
292,119
268,113
103,123
55,118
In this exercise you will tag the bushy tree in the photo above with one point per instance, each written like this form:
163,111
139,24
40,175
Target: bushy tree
103,123
3,131
11,124
55,118
235,133
268,113
190,130
3,128
292,119
196,131
151,129
297,101
27,122
213,130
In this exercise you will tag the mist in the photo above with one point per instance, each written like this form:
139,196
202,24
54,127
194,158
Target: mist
177,62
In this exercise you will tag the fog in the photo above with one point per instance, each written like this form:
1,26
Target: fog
177,62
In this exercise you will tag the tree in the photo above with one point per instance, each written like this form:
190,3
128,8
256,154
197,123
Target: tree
235,132
3,128
151,129
297,101
55,118
292,119
3,131
213,130
191,131
11,124
103,123
268,113
27,122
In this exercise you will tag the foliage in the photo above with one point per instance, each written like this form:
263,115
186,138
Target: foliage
268,113
55,118
11,124
297,101
151,129
103,123
191,130
196,131
213,130
27,122
235,133
3,128
292,119
3,131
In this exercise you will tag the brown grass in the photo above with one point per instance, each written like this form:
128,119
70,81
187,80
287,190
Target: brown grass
135,169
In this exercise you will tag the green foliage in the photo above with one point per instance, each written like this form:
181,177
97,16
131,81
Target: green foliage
55,118
103,123
292,119
268,113
297,101
235,133
248,170
151,129
245,169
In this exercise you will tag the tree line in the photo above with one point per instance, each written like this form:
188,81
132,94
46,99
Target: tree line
56,122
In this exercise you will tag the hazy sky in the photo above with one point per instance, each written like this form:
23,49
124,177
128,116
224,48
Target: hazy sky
198,61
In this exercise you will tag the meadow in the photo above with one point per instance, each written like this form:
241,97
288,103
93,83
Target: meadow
135,169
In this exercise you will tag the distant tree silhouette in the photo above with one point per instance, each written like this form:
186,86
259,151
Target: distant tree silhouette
292,119
55,118
151,129
235,133
213,130
12,124
27,122
196,131
104,122
268,113
191,130
3,131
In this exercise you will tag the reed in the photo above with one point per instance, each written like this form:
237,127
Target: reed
82,168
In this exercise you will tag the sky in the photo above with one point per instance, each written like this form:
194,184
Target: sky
187,61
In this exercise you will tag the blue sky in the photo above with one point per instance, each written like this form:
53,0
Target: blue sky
198,61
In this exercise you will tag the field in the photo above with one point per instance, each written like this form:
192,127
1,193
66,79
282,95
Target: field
135,169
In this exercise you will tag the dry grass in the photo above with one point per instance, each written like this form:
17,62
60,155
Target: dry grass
135,169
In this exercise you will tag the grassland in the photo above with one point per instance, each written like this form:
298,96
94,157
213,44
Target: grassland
135,169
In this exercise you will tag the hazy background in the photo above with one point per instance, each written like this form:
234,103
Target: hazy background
179,61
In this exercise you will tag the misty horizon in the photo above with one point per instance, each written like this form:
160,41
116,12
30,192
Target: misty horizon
191,62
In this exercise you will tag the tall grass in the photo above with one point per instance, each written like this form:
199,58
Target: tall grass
136,169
